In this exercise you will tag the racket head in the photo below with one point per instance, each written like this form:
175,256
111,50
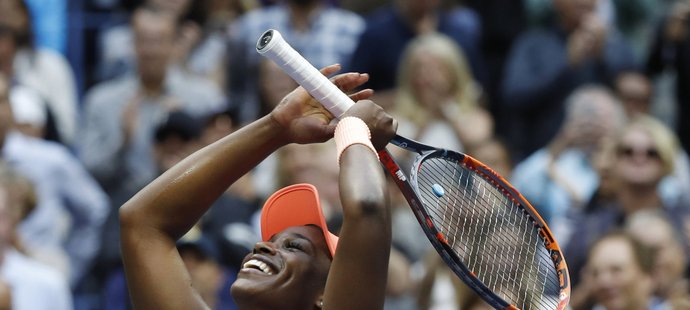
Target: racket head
488,233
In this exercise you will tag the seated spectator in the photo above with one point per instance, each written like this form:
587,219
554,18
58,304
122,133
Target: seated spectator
438,97
44,70
200,43
618,274
391,28
441,289
177,137
655,230
644,154
546,65
121,114
561,176
321,32
32,285
65,226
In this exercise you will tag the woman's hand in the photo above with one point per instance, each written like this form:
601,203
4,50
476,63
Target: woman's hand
304,119
381,125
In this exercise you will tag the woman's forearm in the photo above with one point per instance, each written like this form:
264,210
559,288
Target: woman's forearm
177,199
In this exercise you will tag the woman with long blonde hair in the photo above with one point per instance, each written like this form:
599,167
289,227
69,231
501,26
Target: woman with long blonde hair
439,96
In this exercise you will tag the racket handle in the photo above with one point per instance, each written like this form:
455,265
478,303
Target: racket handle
272,45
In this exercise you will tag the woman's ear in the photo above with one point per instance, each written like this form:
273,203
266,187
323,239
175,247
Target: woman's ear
319,302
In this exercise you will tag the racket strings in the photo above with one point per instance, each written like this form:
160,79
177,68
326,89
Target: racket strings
490,233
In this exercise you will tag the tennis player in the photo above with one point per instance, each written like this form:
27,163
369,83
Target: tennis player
296,266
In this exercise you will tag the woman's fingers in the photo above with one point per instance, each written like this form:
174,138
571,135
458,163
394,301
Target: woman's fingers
328,70
362,95
349,81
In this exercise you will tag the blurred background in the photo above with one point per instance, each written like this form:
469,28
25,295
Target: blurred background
584,105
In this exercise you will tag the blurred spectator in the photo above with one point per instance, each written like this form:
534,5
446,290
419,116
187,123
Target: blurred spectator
213,250
200,43
202,258
43,70
670,51
440,289
546,65
71,206
561,176
121,114
635,91
32,285
323,34
635,19
654,230
121,117
644,154
391,28
438,97
619,277
176,138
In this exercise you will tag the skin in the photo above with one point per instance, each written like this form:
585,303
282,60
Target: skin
163,211
639,170
299,256
669,261
6,119
618,282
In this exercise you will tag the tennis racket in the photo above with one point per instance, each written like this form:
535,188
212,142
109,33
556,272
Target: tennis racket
482,227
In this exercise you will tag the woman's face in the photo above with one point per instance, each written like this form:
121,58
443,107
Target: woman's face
289,269
639,161
431,79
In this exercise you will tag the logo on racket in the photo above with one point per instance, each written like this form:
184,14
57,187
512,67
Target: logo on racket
400,175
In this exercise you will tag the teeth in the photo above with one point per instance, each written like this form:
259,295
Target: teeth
253,263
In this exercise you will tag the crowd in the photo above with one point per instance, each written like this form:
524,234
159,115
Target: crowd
584,105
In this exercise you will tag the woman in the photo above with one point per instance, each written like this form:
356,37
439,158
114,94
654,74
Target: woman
438,95
294,267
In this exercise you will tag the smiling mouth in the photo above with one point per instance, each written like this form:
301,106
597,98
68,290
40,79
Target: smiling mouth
258,265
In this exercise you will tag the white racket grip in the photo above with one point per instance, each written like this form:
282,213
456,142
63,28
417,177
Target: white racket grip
272,46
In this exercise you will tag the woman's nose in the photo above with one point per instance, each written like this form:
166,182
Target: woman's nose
264,247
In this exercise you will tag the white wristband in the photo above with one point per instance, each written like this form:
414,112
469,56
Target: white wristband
352,130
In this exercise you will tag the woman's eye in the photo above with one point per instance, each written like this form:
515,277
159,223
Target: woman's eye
294,245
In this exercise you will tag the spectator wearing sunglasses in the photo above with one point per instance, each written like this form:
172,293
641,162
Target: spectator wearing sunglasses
642,167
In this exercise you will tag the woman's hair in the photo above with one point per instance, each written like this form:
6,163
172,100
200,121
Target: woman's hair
466,89
665,141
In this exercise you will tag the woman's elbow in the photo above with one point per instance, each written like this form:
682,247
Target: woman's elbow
369,204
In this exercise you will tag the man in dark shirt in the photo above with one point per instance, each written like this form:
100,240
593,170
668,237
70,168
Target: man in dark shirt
546,65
